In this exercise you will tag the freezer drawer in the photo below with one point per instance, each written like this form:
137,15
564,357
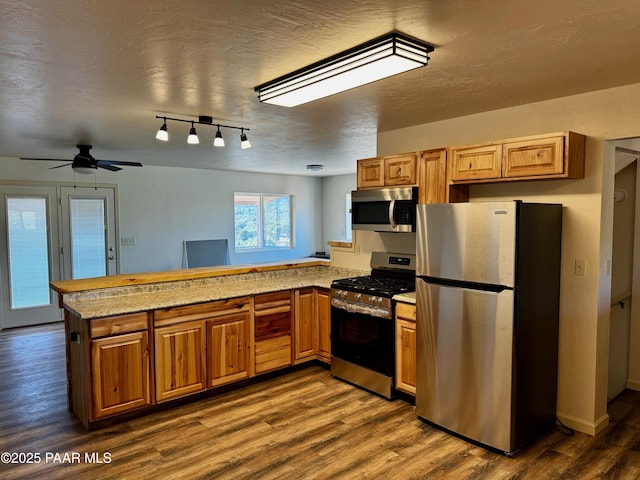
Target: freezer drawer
465,362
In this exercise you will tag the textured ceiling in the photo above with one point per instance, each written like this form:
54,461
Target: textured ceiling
99,71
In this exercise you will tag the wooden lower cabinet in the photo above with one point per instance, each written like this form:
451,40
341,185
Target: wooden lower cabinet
312,325
406,348
180,360
323,307
201,345
228,348
305,325
119,373
272,318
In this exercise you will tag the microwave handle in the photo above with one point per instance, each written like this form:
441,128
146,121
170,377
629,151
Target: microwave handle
392,208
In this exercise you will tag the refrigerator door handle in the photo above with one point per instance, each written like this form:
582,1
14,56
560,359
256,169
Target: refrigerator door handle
486,287
392,209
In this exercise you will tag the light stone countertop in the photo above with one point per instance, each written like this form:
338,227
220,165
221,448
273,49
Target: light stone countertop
409,297
132,299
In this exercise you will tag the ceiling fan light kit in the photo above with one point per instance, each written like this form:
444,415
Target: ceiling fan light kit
193,139
374,60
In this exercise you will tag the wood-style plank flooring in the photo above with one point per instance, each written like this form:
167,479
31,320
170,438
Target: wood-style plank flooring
302,425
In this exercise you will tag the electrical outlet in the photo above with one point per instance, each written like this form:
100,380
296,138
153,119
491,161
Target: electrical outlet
580,268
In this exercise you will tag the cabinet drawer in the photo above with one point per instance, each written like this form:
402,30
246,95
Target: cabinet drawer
272,300
104,327
482,162
406,311
544,156
199,311
273,353
273,324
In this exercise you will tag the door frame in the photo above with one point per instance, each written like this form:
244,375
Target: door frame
624,158
56,260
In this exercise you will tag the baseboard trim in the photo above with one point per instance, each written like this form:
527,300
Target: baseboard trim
633,385
581,425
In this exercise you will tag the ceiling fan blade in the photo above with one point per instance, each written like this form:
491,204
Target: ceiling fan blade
107,166
60,166
117,162
45,159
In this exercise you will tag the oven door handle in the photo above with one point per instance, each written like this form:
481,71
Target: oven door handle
392,209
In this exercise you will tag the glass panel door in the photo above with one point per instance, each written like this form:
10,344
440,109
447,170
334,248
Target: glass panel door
29,235
88,223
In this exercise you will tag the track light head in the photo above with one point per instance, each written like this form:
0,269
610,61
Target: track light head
163,134
244,141
218,141
193,139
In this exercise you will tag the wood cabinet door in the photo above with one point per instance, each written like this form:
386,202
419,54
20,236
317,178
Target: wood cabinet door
180,360
370,173
406,348
542,156
400,170
432,176
305,325
119,374
324,324
228,349
476,163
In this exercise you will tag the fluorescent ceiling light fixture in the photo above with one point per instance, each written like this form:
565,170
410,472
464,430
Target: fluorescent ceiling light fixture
377,59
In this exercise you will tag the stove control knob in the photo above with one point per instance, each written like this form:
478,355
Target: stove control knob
357,296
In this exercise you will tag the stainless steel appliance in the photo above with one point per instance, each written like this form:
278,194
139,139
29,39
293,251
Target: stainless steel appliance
362,322
487,290
385,209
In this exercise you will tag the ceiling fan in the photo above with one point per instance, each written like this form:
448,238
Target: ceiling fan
84,162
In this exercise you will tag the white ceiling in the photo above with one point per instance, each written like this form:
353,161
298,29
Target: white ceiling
99,71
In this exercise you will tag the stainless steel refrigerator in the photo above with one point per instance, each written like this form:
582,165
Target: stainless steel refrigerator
487,298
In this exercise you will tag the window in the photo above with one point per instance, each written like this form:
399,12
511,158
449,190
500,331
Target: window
262,221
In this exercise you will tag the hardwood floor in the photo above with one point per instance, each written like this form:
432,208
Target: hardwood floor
302,425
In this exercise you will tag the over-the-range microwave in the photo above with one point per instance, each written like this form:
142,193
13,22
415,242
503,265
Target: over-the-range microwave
384,209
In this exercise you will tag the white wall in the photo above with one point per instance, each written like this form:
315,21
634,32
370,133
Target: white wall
587,227
162,206
334,191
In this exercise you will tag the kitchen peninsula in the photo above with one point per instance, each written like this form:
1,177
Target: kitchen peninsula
135,341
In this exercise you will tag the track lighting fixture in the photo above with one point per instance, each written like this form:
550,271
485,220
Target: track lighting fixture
193,139
244,141
374,60
163,134
218,141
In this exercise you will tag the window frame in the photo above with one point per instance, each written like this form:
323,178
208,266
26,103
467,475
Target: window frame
261,223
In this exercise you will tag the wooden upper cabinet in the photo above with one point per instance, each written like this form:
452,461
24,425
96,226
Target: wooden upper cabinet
432,176
400,170
371,173
476,162
556,155
391,171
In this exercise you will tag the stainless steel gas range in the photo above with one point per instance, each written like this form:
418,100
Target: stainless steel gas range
362,322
